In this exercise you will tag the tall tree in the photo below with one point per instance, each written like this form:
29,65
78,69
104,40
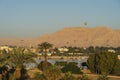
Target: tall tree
45,47
103,62
20,58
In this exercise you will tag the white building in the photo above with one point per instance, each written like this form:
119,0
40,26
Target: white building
63,49
111,50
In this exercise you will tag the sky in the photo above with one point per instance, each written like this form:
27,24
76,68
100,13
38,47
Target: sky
33,18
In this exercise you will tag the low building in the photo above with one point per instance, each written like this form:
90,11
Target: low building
111,50
62,49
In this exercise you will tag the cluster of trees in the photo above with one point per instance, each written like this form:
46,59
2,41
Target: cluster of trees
86,51
104,62
101,62
16,60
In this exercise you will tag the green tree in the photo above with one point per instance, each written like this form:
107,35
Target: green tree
19,58
4,59
41,66
39,76
71,67
45,46
53,73
103,62
116,69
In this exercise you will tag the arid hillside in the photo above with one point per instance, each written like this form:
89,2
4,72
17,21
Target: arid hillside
73,36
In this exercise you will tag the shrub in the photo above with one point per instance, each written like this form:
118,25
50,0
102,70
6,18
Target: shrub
53,73
40,65
39,76
116,69
71,68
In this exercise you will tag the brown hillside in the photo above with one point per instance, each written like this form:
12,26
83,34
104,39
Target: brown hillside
83,37
73,36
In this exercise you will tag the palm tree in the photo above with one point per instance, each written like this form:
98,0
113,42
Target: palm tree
3,59
19,59
45,46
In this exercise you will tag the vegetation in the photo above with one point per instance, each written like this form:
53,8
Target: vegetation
104,62
71,67
39,76
41,66
85,77
19,58
103,77
68,76
116,69
3,59
53,73
44,47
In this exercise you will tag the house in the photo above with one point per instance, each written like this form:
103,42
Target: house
111,50
63,49
33,50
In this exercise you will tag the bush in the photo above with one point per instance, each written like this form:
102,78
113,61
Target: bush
71,68
53,73
116,69
40,65
39,76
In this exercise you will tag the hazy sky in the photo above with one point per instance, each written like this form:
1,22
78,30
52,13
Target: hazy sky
31,18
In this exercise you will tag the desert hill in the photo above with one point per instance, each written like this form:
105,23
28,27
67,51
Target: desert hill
84,37
73,36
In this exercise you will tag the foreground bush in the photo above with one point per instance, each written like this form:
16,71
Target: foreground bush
39,76
53,73
41,65
116,69
71,67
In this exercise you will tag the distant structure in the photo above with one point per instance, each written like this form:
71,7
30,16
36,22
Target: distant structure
85,23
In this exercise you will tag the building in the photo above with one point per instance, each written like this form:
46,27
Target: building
62,49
